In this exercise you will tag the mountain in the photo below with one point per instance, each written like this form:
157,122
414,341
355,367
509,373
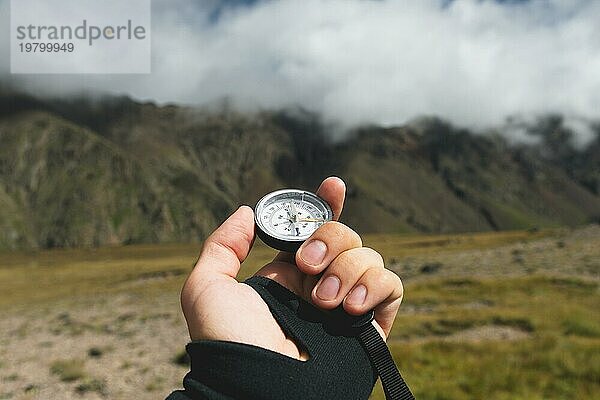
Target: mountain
89,172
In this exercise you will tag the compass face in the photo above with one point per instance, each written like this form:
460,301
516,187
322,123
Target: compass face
291,215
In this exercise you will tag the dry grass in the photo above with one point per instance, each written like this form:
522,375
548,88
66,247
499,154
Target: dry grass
509,315
68,370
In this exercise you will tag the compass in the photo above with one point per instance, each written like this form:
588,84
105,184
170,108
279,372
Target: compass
286,218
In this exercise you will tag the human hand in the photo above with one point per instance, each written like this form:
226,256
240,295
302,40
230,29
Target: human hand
330,268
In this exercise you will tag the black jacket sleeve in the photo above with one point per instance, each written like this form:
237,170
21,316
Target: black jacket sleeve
338,366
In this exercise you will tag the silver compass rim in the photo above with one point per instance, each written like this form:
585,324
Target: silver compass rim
270,195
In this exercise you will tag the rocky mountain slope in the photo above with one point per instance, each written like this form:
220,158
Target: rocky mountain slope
84,172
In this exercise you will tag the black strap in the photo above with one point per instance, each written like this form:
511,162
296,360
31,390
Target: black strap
393,385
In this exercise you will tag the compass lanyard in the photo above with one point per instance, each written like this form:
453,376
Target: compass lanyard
394,386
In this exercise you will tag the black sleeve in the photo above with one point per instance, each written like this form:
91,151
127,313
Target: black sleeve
338,366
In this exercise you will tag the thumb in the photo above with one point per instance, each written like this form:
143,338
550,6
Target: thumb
226,248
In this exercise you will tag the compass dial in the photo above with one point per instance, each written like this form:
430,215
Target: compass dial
286,218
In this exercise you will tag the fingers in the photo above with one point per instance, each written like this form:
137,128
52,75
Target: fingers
333,191
386,311
224,249
324,245
374,287
358,279
342,274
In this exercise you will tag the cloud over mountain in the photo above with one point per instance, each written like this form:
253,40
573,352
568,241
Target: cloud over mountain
471,62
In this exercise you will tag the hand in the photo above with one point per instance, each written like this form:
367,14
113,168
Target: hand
217,307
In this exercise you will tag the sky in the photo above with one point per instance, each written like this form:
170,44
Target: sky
473,62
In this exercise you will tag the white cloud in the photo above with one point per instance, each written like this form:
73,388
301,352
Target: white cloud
582,128
472,62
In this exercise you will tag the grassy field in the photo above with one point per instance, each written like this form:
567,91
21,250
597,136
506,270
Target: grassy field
510,315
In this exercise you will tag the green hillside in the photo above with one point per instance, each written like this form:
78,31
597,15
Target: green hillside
85,172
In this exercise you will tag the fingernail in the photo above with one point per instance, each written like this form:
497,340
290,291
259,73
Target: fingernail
329,288
357,296
314,252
